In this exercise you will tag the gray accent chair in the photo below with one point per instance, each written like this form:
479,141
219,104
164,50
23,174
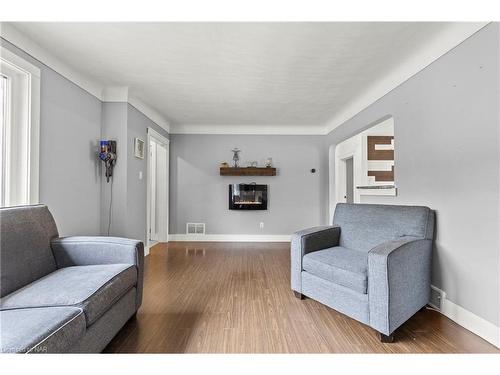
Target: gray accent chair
62,295
373,264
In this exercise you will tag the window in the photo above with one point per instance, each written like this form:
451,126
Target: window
19,130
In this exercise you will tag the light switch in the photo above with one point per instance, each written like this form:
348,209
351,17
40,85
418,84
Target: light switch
140,175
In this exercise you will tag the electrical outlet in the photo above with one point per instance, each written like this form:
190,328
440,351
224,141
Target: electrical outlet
261,225
437,296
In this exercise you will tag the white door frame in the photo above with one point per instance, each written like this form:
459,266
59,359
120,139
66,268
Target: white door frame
160,139
341,183
350,148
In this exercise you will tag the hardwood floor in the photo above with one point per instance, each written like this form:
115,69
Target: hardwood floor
236,298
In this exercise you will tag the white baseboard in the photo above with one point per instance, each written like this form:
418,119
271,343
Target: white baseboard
230,237
470,321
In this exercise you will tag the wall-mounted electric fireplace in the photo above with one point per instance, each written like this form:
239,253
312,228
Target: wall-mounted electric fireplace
247,197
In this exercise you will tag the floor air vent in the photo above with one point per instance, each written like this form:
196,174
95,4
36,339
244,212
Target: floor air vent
195,228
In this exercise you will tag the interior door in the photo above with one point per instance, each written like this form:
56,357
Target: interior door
161,192
349,180
158,191
153,212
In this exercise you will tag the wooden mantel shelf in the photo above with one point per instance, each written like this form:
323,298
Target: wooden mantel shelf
247,171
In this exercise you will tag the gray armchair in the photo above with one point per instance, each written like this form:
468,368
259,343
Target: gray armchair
373,264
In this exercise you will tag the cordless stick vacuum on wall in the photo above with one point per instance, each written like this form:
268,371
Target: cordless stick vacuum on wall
108,156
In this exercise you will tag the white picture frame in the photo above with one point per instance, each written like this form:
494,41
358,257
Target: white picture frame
139,148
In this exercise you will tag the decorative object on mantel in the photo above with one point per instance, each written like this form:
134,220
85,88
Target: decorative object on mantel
139,148
248,171
252,168
236,156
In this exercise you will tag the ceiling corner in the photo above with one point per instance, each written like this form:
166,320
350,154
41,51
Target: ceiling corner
455,34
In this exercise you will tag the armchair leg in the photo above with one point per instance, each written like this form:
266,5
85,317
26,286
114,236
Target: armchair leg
386,339
298,295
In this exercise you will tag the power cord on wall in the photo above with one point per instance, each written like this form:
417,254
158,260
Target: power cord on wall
110,204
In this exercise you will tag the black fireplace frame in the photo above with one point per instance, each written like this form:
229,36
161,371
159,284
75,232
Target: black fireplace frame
248,187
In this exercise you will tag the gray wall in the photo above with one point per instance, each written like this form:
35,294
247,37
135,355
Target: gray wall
70,127
199,194
72,122
447,157
114,127
123,123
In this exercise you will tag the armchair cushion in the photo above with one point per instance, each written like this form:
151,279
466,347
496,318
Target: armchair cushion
339,265
93,288
306,241
365,226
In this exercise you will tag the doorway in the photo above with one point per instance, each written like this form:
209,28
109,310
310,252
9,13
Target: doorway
157,190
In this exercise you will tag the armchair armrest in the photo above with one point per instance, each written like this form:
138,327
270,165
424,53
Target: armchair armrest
84,251
399,279
306,241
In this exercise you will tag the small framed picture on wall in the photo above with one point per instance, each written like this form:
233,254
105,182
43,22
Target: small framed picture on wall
139,148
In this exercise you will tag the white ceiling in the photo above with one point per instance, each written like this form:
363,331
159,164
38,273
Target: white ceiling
238,75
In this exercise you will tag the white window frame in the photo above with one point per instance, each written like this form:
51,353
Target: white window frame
22,141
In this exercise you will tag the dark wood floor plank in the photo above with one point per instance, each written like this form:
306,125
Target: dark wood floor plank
236,298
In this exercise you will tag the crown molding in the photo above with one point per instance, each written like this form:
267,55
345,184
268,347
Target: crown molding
18,39
116,94
150,113
442,43
456,33
101,92
260,129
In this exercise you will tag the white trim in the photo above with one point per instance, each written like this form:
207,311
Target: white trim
165,142
150,112
120,94
95,88
14,36
160,138
474,323
230,237
248,129
34,137
115,94
31,74
447,40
